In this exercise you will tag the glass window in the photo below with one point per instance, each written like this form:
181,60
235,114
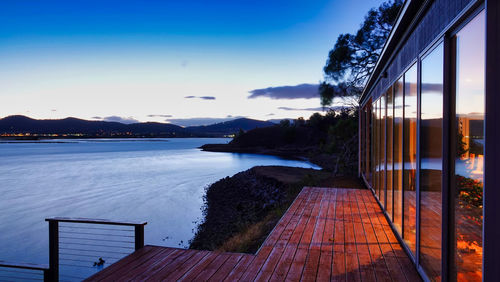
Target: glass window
431,160
375,145
469,156
389,128
377,188
382,151
368,145
410,156
398,155
362,159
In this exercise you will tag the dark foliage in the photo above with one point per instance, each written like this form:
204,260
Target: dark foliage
229,127
333,135
354,56
470,191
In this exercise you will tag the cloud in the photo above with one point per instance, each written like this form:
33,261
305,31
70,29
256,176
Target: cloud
126,120
301,91
199,121
317,109
162,116
201,97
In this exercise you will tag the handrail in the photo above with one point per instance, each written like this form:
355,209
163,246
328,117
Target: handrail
31,266
95,221
28,266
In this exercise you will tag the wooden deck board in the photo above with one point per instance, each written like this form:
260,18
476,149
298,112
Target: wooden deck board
149,264
226,268
264,271
240,268
175,266
182,265
326,250
378,260
327,234
279,248
299,262
281,270
312,261
339,259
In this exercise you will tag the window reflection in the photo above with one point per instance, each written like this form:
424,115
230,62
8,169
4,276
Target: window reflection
410,157
377,188
367,145
389,132
469,158
375,145
382,150
431,132
398,154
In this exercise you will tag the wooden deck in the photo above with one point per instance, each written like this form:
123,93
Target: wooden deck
327,234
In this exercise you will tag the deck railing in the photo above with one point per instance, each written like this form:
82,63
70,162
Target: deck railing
23,272
80,247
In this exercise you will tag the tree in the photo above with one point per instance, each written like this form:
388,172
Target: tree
352,59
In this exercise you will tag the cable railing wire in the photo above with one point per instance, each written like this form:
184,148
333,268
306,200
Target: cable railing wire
95,228
4,278
17,275
85,256
22,271
17,271
72,277
86,246
94,234
95,239
90,250
98,245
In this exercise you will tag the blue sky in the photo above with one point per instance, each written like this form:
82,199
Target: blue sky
179,61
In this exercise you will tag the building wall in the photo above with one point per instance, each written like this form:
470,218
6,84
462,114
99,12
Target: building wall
431,208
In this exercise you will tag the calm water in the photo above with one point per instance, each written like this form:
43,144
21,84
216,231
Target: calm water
160,181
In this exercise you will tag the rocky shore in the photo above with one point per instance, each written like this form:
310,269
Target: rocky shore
240,211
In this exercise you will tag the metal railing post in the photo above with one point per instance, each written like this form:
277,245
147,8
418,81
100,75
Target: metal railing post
53,273
46,275
139,237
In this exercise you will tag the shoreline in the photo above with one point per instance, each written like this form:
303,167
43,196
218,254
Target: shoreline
309,154
241,210
41,138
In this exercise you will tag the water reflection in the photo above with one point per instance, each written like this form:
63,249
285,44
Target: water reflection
431,132
410,157
398,154
469,160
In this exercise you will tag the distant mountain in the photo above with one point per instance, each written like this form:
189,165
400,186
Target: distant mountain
229,127
22,124
73,126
